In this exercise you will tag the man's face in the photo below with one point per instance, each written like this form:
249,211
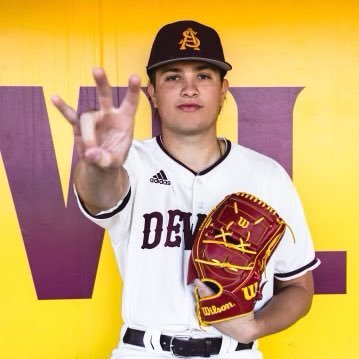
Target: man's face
188,96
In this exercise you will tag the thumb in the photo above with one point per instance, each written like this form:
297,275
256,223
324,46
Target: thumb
98,156
203,289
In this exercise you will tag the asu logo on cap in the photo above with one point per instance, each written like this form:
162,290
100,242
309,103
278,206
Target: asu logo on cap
190,40
173,38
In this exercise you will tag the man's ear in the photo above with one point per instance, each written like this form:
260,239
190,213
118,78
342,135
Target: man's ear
225,86
151,92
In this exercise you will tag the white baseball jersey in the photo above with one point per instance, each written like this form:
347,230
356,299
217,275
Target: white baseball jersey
152,231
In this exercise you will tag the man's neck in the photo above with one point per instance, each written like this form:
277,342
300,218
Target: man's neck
196,152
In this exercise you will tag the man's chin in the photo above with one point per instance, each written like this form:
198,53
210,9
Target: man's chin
191,128
190,132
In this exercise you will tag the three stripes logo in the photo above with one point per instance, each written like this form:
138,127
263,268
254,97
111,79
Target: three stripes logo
160,178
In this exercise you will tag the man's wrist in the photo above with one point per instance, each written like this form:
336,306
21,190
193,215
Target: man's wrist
250,329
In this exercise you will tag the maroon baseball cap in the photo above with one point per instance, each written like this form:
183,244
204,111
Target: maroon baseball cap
187,40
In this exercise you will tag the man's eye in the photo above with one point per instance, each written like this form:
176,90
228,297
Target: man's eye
172,78
203,76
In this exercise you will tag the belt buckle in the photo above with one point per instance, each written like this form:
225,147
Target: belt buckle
181,337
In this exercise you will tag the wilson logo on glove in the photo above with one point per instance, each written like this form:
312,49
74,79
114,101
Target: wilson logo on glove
214,310
230,253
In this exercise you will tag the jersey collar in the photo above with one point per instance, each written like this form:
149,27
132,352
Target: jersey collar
210,168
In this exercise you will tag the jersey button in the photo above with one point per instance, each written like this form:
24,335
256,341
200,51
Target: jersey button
200,205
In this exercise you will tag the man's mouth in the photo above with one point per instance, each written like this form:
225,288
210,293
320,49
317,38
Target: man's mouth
189,107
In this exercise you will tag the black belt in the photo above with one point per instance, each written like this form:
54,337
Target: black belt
181,345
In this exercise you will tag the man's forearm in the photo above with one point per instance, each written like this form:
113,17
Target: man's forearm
292,300
290,303
100,189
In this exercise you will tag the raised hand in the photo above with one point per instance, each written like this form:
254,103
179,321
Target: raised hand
103,137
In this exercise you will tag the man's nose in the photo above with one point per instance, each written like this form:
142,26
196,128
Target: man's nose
189,88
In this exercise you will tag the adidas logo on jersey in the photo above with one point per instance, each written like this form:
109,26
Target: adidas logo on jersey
160,178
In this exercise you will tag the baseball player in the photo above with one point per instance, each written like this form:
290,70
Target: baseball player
152,196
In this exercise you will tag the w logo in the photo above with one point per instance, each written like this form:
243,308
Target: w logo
242,222
250,291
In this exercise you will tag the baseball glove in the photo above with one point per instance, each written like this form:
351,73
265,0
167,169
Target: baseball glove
230,253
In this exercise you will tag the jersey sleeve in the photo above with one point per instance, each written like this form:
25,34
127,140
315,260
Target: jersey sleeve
295,254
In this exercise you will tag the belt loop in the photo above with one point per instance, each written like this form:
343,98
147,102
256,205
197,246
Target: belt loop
232,346
155,340
226,343
151,340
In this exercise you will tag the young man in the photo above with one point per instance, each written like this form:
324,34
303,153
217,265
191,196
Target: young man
152,196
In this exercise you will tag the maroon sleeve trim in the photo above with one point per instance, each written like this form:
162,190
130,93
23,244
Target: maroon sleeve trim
314,263
118,209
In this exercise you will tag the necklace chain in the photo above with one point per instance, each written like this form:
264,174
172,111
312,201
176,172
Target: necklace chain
221,148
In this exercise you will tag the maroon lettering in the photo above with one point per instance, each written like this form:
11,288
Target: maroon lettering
155,220
188,234
267,112
173,228
62,246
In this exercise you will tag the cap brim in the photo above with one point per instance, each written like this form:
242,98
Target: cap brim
222,65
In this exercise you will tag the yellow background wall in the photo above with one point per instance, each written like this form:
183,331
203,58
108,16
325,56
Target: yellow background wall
314,44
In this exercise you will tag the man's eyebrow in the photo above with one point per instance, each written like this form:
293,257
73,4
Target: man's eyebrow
170,69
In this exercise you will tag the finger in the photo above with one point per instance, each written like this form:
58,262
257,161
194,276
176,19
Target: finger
203,289
104,90
68,112
130,102
98,156
88,125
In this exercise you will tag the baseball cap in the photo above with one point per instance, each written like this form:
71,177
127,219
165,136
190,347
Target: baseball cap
187,40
